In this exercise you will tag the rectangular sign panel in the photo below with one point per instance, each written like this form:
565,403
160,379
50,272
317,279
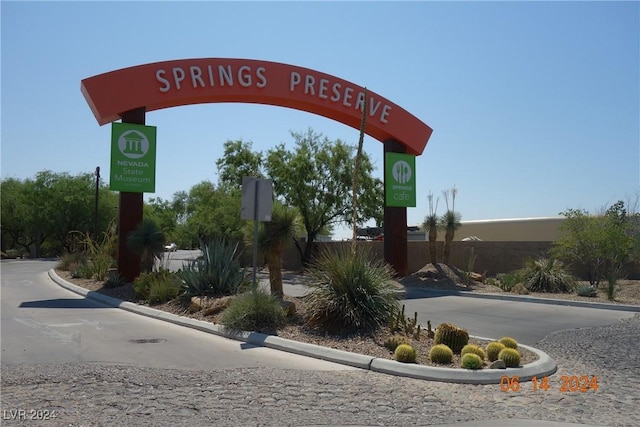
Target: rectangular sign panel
256,202
133,158
400,180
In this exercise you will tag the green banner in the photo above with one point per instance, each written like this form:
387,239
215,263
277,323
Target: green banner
400,180
133,158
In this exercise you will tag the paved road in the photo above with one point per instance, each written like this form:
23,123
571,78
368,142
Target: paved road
527,322
43,323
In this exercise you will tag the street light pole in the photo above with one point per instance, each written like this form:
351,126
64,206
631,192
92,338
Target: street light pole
95,229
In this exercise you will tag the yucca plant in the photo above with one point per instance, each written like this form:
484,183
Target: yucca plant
450,222
350,291
273,238
547,275
147,240
216,273
431,225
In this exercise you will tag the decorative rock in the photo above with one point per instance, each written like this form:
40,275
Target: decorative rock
215,306
498,364
288,307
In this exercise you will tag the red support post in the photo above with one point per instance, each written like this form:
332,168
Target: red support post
395,224
130,214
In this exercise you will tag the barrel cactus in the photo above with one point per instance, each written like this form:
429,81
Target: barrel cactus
405,353
452,336
471,361
493,350
510,357
394,341
472,348
509,342
441,354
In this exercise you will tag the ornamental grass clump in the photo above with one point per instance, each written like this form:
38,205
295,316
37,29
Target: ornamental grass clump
350,291
254,311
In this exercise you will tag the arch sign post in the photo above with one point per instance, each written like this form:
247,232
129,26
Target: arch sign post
127,94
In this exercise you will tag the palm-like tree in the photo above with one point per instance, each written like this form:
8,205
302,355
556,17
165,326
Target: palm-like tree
273,238
450,222
147,240
431,225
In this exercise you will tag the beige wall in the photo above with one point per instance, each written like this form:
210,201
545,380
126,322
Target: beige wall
511,230
491,257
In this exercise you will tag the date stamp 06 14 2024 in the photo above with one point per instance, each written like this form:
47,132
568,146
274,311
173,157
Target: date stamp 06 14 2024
28,414
567,384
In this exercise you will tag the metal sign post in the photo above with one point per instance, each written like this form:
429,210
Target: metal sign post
256,204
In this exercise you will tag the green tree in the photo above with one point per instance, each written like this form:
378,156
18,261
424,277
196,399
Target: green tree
210,213
316,176
430,224
43,212
147,241
17,214
237,162
162,212
450,222
601,244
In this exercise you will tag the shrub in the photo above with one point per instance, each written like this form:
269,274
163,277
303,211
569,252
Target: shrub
614,273
72,260
508,342
81,271
586,290
394,341
473,349
162,291
143,283
441,353
471,361
510,357
454,337
520,289
547,275
350,291
254,311
405,353
114,280
493,350
506,281
216,273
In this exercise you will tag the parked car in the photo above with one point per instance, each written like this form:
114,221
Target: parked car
171,247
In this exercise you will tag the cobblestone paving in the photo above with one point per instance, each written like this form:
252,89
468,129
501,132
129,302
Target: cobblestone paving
103,395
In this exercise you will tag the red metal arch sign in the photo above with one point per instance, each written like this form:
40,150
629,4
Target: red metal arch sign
194,81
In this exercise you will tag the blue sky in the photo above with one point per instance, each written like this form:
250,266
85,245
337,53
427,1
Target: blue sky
534,105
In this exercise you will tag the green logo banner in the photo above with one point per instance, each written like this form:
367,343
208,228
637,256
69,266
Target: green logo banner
133,158
400,180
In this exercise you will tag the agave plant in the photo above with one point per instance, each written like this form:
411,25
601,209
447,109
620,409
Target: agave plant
216,273
147,240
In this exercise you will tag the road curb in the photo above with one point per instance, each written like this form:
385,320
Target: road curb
544,366
519,298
